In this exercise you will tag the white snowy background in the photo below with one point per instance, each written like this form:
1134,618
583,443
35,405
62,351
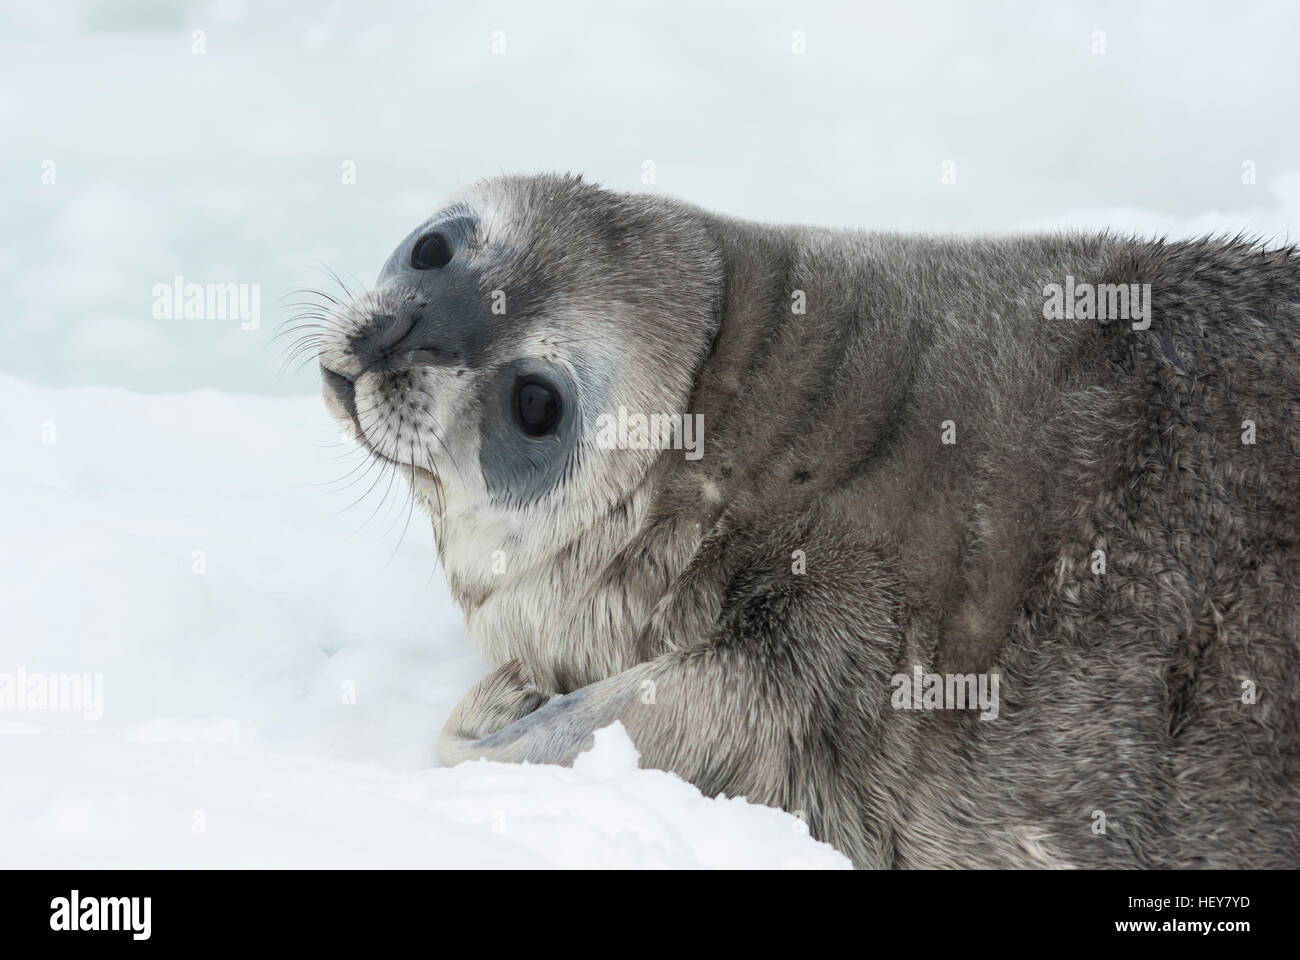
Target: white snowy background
130,445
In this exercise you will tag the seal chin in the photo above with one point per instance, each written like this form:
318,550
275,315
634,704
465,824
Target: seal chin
339,393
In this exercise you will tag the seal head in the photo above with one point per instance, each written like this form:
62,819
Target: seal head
497,333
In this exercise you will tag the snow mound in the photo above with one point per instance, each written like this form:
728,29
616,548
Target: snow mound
260,666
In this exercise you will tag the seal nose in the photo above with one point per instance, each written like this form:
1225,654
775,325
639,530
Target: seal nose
395,341
391,330
383,340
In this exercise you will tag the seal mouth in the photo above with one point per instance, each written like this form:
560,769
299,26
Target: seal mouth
342,389
413,470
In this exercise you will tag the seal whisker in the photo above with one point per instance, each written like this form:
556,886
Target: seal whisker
332,274
437,486
410,509
374,460
311,334
390,468
364,462
312,291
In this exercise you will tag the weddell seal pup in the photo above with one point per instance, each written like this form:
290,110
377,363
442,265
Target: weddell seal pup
981,553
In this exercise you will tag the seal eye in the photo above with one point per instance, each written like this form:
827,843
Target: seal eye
537,408
433,250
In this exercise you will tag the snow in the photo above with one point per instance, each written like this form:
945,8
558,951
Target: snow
276,663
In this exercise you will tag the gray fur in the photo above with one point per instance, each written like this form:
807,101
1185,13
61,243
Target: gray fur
662,592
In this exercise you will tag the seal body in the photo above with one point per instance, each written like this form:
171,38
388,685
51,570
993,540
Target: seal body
920,459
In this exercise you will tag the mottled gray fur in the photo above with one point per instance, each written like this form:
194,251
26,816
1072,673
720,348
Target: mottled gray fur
743,614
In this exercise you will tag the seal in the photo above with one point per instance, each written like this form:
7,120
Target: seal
985,554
